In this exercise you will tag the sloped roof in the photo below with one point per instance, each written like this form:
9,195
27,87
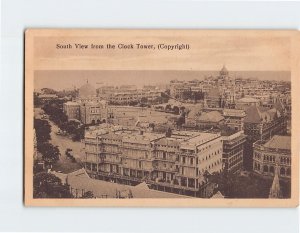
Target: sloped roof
100,188
213,116
218,195
255,114
252,115
279,106
279,142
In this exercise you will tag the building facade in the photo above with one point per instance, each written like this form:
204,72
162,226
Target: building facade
269,154
87,107
174,162
261,124
234,118
233,151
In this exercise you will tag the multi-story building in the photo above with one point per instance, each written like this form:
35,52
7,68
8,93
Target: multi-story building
87,107
234,118
128,97
269,153
246,102
174,162
262,124
72,110
233,150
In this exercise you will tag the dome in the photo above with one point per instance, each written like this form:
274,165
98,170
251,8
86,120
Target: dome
87,90
224,71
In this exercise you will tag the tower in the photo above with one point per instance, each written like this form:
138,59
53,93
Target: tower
275,191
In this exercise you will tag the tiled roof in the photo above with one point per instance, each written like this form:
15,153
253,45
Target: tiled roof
279,142
213,116
101,188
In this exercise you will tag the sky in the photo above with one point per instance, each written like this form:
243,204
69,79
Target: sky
257,54
64,79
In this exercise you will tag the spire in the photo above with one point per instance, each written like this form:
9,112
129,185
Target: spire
275,191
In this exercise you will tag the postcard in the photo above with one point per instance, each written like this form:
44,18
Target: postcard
161,118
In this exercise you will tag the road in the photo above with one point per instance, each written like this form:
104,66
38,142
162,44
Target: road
64,142
64,164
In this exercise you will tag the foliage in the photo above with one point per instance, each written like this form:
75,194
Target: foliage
241,186
36,101
50,153
88,194
48,91
78,133
42,130
69,155
47,185
55,111
37,168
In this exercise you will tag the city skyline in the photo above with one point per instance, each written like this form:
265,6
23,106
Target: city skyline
67,79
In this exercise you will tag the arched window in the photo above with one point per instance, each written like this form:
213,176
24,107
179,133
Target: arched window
282,171
272,169
266,169
258,166
288,172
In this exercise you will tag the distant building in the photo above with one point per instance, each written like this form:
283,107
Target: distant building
175,162
72,110
269,153
214,98
246,102
204,120
234,118
87,107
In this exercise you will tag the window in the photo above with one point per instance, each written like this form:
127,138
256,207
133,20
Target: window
164,156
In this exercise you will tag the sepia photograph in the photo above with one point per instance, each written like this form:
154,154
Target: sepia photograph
204,117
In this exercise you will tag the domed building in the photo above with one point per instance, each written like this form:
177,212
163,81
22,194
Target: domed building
223,74
224,71
86,91
87,107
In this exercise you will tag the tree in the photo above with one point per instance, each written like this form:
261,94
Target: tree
176,110
88,194
47,185
241,186
48,91
50,153
42,130
78,134
144,100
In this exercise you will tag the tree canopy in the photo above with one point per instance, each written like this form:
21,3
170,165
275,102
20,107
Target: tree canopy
47,185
